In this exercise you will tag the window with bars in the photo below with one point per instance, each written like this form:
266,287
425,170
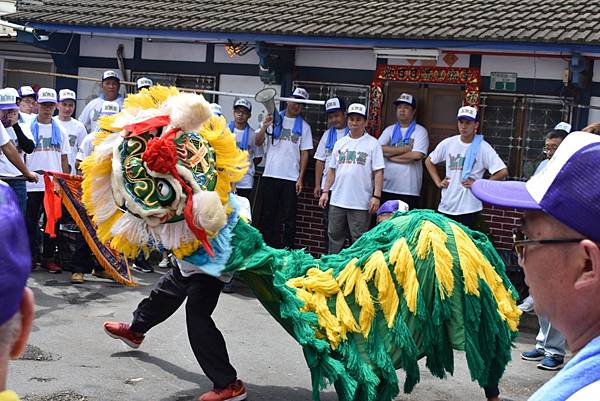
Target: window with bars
181,81
315,114
516,127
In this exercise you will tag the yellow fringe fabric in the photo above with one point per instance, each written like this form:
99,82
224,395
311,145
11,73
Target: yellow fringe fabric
433,239
231,162
405,272
474,266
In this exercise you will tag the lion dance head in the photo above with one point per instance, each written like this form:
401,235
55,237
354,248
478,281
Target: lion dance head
161,173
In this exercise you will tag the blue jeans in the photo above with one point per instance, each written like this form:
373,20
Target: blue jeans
549,340
19,187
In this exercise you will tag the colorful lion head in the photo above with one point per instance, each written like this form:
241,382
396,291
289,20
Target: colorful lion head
161,173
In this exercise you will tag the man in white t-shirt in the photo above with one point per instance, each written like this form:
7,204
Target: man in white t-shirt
286,151
356,167
27,104
15,141
83,260
73,127
467,156
245,137
405,144
110,91
336,119
558,246
51,154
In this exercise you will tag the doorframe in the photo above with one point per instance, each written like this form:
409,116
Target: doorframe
469,77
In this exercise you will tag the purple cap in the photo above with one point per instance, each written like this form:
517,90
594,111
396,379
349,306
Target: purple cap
15,256
392,206
566,189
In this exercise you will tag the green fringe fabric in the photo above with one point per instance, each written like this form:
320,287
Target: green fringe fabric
365,369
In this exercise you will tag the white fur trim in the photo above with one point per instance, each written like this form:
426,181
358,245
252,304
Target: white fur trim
134,229
188,111
209,213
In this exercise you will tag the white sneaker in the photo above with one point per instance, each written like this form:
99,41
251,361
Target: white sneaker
527,304
164,263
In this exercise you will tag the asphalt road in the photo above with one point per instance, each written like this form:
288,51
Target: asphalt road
70,358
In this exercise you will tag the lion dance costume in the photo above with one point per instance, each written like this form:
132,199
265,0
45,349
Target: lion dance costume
418,285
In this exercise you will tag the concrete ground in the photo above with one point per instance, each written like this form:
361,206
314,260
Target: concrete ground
70,358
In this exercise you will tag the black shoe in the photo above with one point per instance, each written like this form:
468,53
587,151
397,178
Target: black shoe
143,267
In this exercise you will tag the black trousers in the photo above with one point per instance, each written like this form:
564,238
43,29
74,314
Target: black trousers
202,293
410,200
470,220
279,208
35,208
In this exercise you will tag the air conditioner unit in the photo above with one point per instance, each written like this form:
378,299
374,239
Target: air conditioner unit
410,54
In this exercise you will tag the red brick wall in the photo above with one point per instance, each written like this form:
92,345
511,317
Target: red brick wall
310,232
501,222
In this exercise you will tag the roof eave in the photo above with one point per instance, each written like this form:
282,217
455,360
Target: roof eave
563,47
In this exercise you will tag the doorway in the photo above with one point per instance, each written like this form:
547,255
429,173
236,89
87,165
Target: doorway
437,105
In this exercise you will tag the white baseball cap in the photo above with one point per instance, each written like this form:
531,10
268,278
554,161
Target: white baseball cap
110,74
406,98
563,126
216,109
26,91
300,93
66,94
334,104
47,95
241,102
109,108
8,100
467,113
357,108
144,82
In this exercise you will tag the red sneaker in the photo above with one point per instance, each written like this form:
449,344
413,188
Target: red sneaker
51,267
236,391
121,331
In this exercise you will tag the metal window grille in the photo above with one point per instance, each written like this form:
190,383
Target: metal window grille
181,81
315,115
516,126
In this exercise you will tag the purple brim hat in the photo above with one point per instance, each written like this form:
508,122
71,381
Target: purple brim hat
11,106
390,206
504,193
15,256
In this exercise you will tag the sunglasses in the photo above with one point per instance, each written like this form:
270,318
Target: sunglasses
520,241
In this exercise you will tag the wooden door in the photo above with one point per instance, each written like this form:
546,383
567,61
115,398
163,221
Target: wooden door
440,108
391,91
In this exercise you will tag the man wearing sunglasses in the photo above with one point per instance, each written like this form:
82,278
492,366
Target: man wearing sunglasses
560,253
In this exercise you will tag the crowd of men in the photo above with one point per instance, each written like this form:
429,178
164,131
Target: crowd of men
355,174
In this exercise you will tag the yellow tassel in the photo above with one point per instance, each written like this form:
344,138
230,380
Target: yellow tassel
326,319
345,317
348,276
475,265
433,239
231,162
405,272
362,296
386,290
103,230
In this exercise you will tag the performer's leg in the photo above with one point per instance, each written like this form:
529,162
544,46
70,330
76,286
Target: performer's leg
33,213
168,294
205,338
269,218
290,202
20,189
491,393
